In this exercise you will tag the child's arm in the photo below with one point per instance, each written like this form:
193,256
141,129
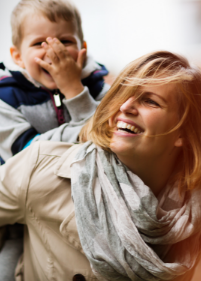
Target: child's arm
65,71
16,132
81,108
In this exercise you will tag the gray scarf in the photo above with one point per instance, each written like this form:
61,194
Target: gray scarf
125,231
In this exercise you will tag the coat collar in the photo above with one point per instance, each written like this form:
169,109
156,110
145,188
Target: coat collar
62,168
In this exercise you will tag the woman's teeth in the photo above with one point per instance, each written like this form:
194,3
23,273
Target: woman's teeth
126,126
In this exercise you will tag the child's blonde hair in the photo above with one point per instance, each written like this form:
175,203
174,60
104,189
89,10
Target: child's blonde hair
157,68
54,10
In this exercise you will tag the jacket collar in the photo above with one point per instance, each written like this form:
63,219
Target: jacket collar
63,168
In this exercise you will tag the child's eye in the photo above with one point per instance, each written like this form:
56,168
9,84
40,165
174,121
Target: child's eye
37,44
66,42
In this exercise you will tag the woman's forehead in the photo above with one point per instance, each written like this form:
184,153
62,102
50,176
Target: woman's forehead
165,90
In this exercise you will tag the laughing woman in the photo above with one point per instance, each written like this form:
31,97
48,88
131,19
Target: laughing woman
135,184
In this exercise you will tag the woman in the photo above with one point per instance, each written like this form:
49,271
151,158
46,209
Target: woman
135,184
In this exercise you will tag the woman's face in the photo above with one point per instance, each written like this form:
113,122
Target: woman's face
154,112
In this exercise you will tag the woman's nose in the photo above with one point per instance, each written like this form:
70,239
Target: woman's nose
129,106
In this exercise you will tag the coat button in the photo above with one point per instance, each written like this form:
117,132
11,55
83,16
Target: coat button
78,277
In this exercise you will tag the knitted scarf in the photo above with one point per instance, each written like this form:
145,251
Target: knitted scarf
125,231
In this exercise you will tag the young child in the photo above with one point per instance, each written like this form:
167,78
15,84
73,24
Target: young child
57,87
53,91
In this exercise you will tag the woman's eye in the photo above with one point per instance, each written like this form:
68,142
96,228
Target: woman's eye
151,102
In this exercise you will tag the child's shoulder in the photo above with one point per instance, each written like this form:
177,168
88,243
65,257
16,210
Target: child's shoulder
16,90
8,87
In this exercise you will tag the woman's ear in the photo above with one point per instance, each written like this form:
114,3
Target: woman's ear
16,56
179,142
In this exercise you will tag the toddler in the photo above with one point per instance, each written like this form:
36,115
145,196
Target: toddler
57,87
51,94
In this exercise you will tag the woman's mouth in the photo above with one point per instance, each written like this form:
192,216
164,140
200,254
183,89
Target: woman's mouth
123,126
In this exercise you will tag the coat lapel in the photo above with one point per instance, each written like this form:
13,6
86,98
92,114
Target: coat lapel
63,165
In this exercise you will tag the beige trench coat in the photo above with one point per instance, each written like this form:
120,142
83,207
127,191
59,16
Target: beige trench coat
35,190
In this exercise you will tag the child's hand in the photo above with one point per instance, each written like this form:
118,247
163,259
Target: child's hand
65,71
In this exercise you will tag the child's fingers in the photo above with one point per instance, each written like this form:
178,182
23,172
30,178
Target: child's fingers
81,57
43,64
45,46
58,48
50,53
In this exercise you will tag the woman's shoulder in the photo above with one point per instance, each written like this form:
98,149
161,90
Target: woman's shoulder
51,148
59,154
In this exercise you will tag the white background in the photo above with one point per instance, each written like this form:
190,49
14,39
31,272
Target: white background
118,31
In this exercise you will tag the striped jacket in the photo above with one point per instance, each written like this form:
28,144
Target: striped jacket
29,112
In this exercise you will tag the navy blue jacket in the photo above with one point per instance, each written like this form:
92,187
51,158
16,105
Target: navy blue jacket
28,112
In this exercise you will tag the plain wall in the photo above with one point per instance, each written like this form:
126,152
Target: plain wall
118,31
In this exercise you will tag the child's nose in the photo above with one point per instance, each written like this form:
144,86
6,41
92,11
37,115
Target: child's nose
47,59
129,106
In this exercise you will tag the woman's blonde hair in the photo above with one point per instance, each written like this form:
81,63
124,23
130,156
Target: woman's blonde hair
158,68
51,9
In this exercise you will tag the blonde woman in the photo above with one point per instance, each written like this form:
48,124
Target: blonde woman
126,204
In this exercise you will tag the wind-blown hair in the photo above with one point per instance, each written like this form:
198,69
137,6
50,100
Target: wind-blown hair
54,10
157,68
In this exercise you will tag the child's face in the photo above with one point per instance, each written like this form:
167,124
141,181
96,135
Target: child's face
35,30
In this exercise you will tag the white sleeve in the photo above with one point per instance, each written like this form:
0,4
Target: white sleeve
12,125
81,108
